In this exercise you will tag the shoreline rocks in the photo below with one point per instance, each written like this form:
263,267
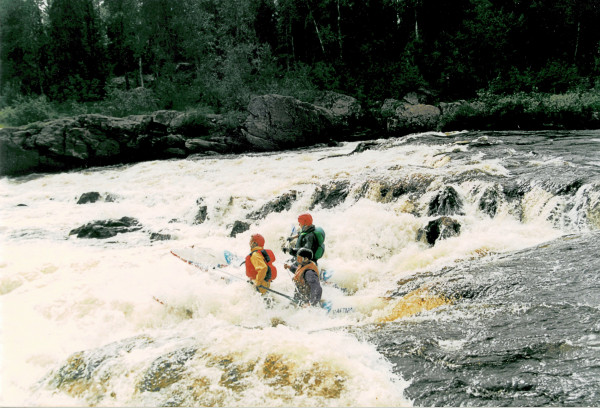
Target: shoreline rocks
274,122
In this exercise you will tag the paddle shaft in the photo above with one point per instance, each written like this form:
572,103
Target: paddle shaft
217,268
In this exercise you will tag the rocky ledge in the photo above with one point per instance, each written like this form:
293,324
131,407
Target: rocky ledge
274,122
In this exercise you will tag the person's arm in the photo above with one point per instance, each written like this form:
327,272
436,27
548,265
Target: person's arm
312,279
260,266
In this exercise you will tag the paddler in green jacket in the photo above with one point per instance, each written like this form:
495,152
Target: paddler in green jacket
306,278
307,237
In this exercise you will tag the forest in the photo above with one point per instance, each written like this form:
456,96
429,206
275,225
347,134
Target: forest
122,57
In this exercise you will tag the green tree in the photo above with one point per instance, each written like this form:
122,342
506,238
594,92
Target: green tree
77,54
122,27
22,42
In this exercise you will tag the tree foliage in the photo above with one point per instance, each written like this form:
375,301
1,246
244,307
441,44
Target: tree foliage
218,53
77,57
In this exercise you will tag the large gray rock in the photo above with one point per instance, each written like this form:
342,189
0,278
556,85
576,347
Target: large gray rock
282,122
97,140
408,117
274,122
344,109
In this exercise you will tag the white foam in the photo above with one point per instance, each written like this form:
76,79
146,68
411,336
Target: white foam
62,294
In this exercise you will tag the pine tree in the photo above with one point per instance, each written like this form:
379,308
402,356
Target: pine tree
22,39
77,52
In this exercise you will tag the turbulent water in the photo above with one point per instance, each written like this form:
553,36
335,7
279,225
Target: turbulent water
497,304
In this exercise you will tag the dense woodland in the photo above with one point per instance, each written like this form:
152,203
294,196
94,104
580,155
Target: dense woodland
130,56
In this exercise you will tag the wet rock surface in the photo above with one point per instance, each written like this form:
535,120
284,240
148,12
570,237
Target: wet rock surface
107,228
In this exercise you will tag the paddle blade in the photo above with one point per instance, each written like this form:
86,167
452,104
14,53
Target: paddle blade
326,274
228,257
326,304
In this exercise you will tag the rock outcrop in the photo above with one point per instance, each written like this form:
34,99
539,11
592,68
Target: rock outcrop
282,122
409,117
274,122
96,140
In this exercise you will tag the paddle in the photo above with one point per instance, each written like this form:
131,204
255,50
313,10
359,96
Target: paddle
218,268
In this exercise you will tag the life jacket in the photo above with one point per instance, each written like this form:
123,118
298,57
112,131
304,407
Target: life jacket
269,257
299,275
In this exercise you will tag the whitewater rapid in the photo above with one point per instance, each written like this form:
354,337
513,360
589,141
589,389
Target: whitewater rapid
61,295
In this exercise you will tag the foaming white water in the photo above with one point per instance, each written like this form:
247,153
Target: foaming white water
61,295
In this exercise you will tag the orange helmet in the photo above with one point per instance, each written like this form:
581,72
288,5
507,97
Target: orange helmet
305,219
258,239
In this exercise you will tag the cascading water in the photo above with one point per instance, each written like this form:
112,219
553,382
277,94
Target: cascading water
467,262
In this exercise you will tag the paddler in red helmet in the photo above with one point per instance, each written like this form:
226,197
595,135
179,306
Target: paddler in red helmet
259,264
307,237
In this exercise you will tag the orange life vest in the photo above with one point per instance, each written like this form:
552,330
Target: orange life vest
299,275
269,257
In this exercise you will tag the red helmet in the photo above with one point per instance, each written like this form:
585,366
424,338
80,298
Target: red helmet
258,239
305,219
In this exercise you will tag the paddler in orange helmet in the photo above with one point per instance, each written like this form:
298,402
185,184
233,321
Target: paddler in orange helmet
259,264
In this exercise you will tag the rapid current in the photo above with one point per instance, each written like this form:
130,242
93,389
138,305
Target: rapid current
465,272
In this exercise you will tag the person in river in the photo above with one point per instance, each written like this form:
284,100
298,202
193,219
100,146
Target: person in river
306,278
306,238
259,264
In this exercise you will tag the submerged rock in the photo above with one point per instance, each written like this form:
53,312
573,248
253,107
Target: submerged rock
446,202
440,228
239,227
156,236
282,203
106,228
385,191
202,214
90,197
489,202
331,195
94,196
166,370
87,370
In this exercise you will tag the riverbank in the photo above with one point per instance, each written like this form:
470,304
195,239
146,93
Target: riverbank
58,142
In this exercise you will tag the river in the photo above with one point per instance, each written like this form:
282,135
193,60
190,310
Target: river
503,309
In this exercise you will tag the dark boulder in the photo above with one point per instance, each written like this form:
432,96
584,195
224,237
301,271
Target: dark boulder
440,228
446,202
281,122
346,111
107,228
279,204
408,117
156,236
202,213
239,227
490,201
90,197
331,195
